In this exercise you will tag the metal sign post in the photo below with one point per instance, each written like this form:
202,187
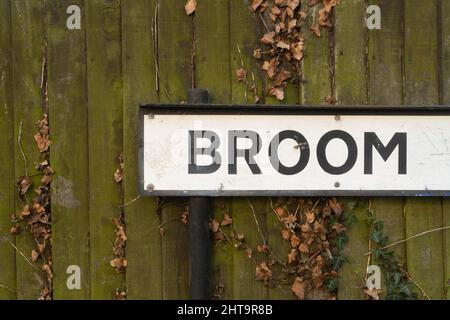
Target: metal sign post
199,242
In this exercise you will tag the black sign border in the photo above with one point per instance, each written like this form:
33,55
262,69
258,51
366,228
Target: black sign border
331,110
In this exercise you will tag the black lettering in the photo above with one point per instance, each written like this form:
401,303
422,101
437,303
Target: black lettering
194,151
303,146
352,152
371,140
248,154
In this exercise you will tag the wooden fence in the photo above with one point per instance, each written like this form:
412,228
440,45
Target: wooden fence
129,52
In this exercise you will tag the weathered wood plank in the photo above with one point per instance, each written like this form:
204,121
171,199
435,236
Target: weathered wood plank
351,88
316,63
69,151
212,61
280,248
247,212
213,72
445,87
350,48
385,62
244,38
28,48
104,76
144,271
175,36
424,255
446,248
7,253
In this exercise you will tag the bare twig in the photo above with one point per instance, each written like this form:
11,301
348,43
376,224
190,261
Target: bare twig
225,236
369,258
412,237
26,259
19,140
263,21
276,213
263,238
155,46
130,202
7,288
243,67
257,223
424,294
315,204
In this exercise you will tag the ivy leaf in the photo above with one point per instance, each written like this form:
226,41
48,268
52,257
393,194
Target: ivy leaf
351,219
341,240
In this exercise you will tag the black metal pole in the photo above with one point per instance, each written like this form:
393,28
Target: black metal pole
199,242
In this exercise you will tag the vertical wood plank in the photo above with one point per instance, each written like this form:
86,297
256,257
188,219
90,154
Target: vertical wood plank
385,62
445,87
7,253
69,151
244,38
174,57
316,63
213,49
144,271
213,72
351,88
446,248
104,76
28,47
279,247
424,255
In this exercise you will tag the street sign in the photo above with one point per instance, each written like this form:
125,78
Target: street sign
222,150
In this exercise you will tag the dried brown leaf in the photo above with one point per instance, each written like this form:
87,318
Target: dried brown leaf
214,225
283,45
34,255
316,30
119,263
263,273
15,230
299,288
241,75
286,234
277,92
255,4
24,184
293,4
257,53
295,241
336,206
262,248
339,227
249,252
312,3
310,216
303,248
270,67
190,7
268,38
227,220
292,256
297,49
42,142
373,293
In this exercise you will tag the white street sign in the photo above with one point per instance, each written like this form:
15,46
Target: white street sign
329,152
